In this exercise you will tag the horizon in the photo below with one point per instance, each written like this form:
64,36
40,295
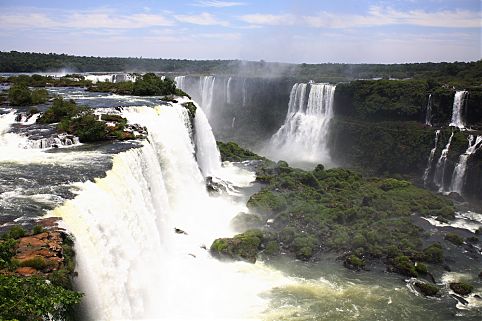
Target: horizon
312,32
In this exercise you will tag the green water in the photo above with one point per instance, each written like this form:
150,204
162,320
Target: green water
327,291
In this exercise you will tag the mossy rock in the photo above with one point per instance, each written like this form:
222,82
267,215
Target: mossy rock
191,109
245,246
426,289
462,288
353,262
405,266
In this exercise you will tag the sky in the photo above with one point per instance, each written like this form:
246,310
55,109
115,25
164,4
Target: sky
303,31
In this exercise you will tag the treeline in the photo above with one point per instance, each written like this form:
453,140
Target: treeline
467,72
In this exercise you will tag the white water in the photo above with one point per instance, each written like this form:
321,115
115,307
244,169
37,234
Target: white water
207,93
458,176
179,80
430,158
131,263
228,90
245,93
207,153
459,103
428,115
303,136
439,177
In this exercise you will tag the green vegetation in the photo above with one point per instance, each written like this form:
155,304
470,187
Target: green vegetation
32,298
48,81
21,95
243,246
457,72
191,108
147,85
454,238
427,289
353,262
462,288
339,210
234,153
83,123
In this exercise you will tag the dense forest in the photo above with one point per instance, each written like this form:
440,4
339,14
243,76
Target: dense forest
13,61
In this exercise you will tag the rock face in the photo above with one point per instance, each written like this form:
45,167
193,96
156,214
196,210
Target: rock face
40,253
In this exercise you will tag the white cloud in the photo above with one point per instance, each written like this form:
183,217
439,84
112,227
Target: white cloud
376,16
82,20
202,19
269,19
218,4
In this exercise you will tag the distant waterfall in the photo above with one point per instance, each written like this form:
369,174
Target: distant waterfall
303,136
228,90
207,153
458,176
430,158
179,80
459,103
207,93
439,177
131,263
428,115
245,92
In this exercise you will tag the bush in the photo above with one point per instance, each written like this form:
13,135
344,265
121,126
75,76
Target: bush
15,232
421,268
38,229
454,238
86,127
462,288
59,110
39,263
243,246
32,298
426,289
7,252
19,95
404,266
433,253
39,96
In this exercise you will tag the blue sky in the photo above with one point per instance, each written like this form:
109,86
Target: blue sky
279,30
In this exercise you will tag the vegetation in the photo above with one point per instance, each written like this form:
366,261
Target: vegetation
36,80
147,85
462,288
427,289
21,95
460,72
35,297
243,246
83,123
339,210
234,153
454,238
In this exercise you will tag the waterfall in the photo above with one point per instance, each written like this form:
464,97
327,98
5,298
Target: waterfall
430,158
428,115
131,263
439,177
228,90
459,103
458,176
245,93
207,93
303,136
207,153
180,82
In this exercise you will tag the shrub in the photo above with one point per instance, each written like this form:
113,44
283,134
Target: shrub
59,110
427,289
462,288
39,96
404,266
86,127
15,232
38,229
7,252
38,262
433,253
454,238
421,268
19,95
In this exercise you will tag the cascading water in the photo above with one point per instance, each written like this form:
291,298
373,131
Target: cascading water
245,92
428,115
228,90
207,153
180,82
430,158
458,176
439,177
131,263
459,103
207,93
303,136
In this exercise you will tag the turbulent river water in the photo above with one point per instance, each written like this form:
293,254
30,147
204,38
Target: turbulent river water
123,201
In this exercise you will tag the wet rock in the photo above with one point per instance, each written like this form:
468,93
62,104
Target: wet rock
460,299
427,289
26,271
461,288
456,197
245,246
480,275
179,231
214,187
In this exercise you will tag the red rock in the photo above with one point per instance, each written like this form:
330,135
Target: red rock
26,271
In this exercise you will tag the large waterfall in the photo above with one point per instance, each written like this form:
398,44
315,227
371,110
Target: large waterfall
131,262
458,107
304,134
202,90
207,153
430,158
458,176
